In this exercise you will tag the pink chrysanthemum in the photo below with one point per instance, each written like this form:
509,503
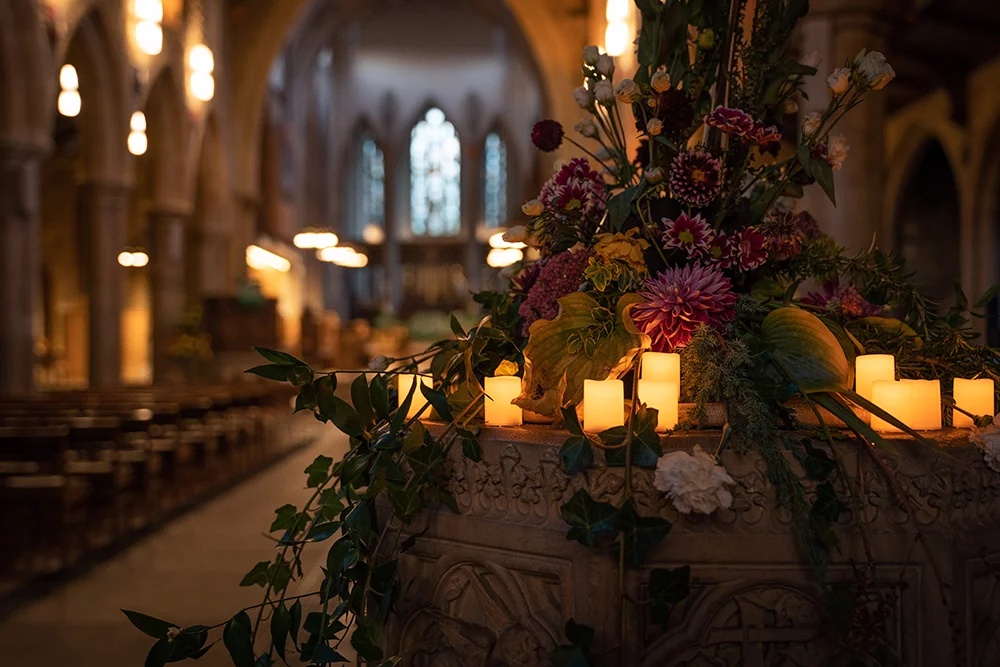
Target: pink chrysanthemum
721,251
575,186
680,300
687,233
558,275
695,178
844,300
731,121
750,249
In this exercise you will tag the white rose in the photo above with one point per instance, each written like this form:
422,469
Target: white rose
604,93
836,151
587,127
839,80
876,70
988,441
591,54
379,363
660,82
584,97
693,482
811,123
533,208
812,59
654,126
654,175
602,154
606,65
518,234
627,91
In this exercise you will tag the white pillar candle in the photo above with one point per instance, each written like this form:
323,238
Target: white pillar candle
925,404
662,396
663,366
418,402
603,405
500,392
975,396
870,368
894,398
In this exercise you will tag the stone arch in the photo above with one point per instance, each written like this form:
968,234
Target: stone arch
168,129
27,84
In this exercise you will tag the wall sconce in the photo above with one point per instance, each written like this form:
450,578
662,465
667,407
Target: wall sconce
201,62
69,102
148,31
137,141
315,239
260,259
343,256
133,259
616,36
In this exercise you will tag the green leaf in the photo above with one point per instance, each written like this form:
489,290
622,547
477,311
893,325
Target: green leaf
299,376
359,520
264,661
323,531
286,518
619,207
816,462
588,519
366,638
236,638
362,400
341,556
159,654
281,624
154,627
576,454
415,438
827,506
380,396
667,588
326,387
804,348
399,417
295,619
346,418
471,449
318,471
456,327
438,401
823,173
572,421
280,574
640,533
568,656
270,372
279,358
258,575
306,400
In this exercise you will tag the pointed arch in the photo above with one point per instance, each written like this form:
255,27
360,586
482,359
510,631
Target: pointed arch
435,176
367,176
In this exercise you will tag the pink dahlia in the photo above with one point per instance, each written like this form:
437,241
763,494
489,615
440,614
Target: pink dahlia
750,249
844,300
731,121
558,275
690,234
721,251
695,178
547,135
575,186
681,299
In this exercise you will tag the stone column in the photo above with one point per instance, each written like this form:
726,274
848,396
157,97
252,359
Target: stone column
395,219
20,268
166,263
103,210
838,29
472,197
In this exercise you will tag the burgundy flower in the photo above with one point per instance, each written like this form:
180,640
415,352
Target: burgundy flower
547,135
763,136
558,275
695,178
675,110
844,300
681,299
721,251
575,187
750,249
808,225
731,121
522,283
785,235
690,234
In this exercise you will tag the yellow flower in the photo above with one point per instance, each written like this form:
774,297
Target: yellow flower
626,247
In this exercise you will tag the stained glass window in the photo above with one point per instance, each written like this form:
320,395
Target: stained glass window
371,190
494,181
435,177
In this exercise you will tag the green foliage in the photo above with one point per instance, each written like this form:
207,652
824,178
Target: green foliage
588,519
577,653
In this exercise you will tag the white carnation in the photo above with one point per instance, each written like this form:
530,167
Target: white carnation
587,127
988,441
628,91
693,482
584,97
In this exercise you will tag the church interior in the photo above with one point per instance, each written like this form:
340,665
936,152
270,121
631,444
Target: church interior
183,180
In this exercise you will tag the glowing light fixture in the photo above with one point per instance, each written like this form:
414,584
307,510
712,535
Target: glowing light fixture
68,78
616,38
69,102
373,234
200,59
499,258
343,256
496,241
261,259
315,239
149,37
201,62
617,10
133,259
137,141
149,10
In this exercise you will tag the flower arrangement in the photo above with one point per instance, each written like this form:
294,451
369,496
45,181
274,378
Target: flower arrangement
692,243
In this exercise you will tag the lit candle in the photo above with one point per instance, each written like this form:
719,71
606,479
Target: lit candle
500,392
925,404
869,368
603,405
663,366
418,402
894,398
975,396
661,396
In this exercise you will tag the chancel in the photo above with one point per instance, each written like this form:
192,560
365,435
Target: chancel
499,332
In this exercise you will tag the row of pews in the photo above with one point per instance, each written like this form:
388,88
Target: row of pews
84,471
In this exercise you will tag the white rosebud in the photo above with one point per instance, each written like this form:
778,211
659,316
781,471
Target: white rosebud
790,107
584,97
606,65
173,633
812,59
660,82
604,93
587,127
876,70
379,363
628,91
654,126
839,80
533,208
602,154
811,123
836,151
654,175
591,54
518,234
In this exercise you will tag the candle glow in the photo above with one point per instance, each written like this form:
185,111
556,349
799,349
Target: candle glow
925,404
603,405
499,408
663,366
975,396
662,396
894,398
418,401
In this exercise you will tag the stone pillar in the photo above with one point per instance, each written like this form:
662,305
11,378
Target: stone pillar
103,210
246,214
472,206
20,269
838,29
395,220
166,263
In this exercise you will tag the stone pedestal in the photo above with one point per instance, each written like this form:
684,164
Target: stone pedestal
20,272
496,584
167,267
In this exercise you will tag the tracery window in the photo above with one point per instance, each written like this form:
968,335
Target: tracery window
494,181
435,177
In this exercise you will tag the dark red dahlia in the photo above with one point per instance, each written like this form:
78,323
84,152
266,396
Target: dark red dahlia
731,121
558,276
691,234
721,251
784,235
695,178
750,249
575,187
676,112
547,135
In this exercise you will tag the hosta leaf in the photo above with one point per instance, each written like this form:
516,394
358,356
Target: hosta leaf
807,350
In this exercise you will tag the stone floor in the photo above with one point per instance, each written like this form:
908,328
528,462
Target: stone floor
186,573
